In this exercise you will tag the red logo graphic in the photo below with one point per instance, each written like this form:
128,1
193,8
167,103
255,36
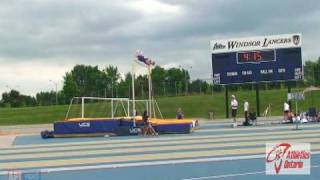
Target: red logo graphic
289,158
277,154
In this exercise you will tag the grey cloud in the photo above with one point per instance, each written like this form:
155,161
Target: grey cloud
109,32
54,29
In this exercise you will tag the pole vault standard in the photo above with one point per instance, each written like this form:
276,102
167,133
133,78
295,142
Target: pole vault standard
148,62
133,95
150,90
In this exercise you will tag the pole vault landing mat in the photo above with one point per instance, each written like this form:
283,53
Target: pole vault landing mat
119,126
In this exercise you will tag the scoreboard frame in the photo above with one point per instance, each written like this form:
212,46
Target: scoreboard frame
283,67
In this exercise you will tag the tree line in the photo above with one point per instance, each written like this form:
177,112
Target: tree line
86,80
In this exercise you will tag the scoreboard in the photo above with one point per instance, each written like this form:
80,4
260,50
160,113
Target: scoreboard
257,59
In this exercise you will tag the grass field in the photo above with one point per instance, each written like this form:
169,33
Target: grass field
193,106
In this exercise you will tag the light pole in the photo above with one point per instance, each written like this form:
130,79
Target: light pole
7,86
111,79
56,85
11,88
211,79
185,79
175,86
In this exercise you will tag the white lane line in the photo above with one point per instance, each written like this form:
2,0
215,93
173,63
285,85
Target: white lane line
249,128
139,139
158,149
260,138
139,164
233,175
225,175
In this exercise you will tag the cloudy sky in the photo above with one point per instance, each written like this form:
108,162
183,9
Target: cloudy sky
42,39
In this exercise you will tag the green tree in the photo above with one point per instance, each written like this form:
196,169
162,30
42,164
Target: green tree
113,77
70,88
141,86
312,72
49,98
158,76
15,99
177,80
89,80
125,86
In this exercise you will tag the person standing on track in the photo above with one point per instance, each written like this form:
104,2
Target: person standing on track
234,108
246,111
286,109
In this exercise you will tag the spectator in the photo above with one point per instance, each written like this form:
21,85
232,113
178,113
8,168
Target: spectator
290,117
286,109
303,117
179,114
246,111
234,108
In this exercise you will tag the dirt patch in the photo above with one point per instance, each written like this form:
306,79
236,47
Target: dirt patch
6,140
7,133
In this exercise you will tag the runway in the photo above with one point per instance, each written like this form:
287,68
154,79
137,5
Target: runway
215,151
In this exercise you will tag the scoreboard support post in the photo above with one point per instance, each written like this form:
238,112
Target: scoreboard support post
227,100
289,91
257,99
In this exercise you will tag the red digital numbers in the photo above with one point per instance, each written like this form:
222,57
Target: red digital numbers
254,56
246,56
257,56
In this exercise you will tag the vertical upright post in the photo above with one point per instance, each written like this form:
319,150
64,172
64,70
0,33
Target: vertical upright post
227,100
150,91
297,114
185,81
289,91
133,96
82,107
128,108
147,105
112,87
56,93
175,86
164,88
257,99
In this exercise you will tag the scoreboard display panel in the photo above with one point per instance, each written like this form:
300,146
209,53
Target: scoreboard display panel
257,59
